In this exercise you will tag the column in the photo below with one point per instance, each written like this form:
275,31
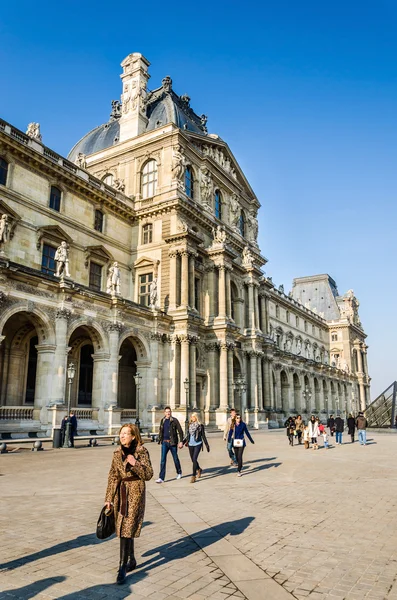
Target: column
45,362
113,365
263,324
256,308
164,398
4,374
185,342
99,379
253,381
185,279
228,295
174,372
359,359
60,358
260,380
212,386
230,378
222,292
365,359
251,305
172,288
223,383
267,384
278,399
192,301
192,373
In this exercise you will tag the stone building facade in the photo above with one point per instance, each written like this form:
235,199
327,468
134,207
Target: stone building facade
163,279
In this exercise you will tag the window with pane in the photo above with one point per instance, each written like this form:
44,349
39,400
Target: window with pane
3,171
95,276
98,223
144,288
297,321
55,198
48,265
218,205
197,289
241,224
189,182
149,179
334,337
147,233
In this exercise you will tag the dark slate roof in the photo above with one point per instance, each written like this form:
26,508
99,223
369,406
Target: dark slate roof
162,106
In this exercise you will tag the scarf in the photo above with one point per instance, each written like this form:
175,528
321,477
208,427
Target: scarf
193,428
126,450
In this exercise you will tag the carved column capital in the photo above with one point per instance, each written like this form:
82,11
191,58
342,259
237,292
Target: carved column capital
63,313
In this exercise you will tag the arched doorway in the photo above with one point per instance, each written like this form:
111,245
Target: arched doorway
85,343
31,370
297,392
85,375
284,393
316,396
326,398
126,396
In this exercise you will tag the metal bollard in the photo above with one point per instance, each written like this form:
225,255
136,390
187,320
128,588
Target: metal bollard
37,446
116,440
93,442
3,448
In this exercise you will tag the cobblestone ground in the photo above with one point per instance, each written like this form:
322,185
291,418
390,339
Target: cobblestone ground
298,524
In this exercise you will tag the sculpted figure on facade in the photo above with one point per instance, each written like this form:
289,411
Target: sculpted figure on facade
62,260
4,230
178,163
252,223
119,185
206,187
113,280
219,235
298,347
326,357
33,131
153,292
234,210
81,160
247,258
288,345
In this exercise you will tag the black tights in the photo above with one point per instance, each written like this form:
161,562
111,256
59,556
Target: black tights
194,454
239,455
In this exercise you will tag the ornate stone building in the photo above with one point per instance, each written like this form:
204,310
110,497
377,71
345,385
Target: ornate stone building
138,254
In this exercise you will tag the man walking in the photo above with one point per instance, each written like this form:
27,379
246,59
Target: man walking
170,430
331,425
362,425
339,428
232,456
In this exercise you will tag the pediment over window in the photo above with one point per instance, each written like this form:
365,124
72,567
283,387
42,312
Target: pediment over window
98,254
52,233
13,217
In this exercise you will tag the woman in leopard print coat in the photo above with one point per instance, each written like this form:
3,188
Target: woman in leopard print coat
129,470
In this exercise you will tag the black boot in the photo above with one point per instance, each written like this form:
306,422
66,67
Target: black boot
122,572
131,565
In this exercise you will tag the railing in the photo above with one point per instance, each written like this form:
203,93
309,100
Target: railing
51,155
83,413
16,413
21,137
382,411
128,414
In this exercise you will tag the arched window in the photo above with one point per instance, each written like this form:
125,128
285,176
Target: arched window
218,204
149,179
3,171
108,179
241,224
55,198
189,189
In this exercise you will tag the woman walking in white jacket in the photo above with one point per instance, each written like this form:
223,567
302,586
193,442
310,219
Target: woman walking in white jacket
314,432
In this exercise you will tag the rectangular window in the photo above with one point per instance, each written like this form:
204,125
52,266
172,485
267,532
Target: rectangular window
334,337
147,231
55,198
297,321
98,224
197,294
144,288
95,276
305,325
287,316
48,265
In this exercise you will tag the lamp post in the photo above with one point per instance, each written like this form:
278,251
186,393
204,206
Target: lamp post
240,386
67,440
137,379
186,386
326,404
337,406
307,396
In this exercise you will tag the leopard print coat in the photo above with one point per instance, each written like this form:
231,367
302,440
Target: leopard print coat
129,526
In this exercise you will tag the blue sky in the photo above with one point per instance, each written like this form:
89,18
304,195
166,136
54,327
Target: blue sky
305,94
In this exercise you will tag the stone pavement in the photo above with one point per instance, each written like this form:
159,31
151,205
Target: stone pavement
298,524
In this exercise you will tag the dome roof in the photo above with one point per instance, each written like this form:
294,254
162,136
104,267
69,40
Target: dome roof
162,106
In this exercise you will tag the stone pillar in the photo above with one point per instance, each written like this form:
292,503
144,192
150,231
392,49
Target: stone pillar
251,305
228,294
164,398
267,384
222,291
16,377
192,373
185,364
113,365
263,323
174,372
230,376
4,374
223,378
45,362
359,359
278,398
99,379
365,360
362,396
192,300
254,403
185,279
58,393
173,282
260,380
256,307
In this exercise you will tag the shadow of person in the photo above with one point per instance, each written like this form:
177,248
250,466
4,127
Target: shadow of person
217,471
32,589
79,542
260,468
106,590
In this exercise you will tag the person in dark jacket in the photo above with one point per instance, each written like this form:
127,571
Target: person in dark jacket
362,425
290,428
339,427
351,424
194,441
73,427
331,425
169,432
237,435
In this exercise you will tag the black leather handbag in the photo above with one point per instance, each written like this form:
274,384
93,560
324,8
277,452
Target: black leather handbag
106,525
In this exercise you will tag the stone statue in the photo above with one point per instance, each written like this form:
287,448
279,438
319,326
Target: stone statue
33,131
288,345
281,289
326,357
113,280
167,83
116,110
298,347
153,292
206,187
234,210
248,259
4,230
178,163
81,160
204,120
62,259
219,235
252,222
119,185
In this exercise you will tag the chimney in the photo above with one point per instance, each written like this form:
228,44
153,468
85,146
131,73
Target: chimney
135,76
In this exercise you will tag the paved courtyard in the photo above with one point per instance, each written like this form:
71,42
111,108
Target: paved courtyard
298,524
